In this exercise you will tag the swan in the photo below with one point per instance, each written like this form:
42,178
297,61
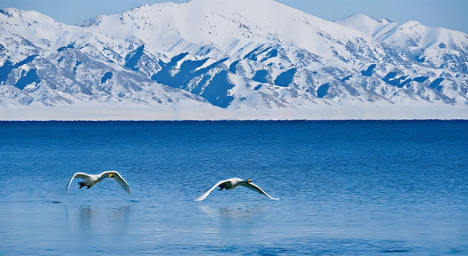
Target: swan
231,184
91,180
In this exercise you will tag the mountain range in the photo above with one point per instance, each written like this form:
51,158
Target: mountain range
228,59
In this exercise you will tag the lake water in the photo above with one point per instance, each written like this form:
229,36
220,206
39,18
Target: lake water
345,188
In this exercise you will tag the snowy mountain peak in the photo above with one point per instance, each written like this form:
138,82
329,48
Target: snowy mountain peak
406,35
14,14
363,19
369,26
227,25
228,54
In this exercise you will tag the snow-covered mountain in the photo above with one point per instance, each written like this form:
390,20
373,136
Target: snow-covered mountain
434,47
237,57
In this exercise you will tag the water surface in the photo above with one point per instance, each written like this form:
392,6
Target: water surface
345,188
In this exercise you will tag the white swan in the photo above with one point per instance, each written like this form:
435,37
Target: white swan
91,180
231,184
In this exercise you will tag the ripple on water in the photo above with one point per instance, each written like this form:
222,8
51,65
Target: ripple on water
345,188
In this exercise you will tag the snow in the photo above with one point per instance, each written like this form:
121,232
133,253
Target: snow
400,34
227,24
182,111
255,36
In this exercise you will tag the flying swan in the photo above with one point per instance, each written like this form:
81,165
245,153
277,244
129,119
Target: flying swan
231,184
91,180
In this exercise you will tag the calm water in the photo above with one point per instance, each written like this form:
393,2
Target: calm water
345,188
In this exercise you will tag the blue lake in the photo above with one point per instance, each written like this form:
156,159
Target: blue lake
345,188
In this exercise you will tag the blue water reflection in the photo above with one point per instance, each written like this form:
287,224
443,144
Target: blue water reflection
345,188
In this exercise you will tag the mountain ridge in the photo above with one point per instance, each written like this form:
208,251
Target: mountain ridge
220,54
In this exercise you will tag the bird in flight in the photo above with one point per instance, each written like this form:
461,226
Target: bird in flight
231,184
91,180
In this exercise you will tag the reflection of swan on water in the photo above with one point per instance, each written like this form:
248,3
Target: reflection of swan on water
234,213
91,180
88,216
231,184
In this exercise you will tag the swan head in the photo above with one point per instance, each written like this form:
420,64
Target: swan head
111,175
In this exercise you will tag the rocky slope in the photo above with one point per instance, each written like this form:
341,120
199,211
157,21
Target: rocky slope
237,55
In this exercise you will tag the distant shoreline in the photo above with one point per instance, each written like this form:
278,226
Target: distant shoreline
221,121
96,112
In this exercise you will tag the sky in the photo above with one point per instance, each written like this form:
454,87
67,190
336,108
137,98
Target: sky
449,14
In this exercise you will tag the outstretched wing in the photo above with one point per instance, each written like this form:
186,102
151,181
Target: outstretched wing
76,175
118,178
204,195
258,189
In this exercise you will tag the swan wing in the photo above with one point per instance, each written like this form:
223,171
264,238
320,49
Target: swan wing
204,195
258,189
118,178
76,175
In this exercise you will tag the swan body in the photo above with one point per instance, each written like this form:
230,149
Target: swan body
91,180
233,183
